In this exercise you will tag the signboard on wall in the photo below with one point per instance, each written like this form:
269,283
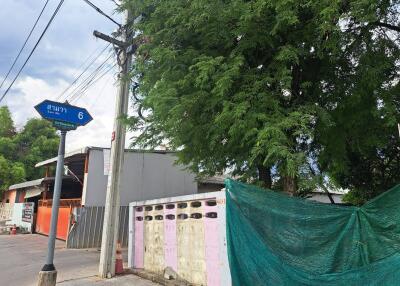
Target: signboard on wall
27,212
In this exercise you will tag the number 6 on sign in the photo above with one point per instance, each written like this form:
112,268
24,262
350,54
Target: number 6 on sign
80,115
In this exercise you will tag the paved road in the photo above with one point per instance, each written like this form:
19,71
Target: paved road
22,257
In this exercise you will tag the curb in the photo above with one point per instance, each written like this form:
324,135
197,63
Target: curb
157,278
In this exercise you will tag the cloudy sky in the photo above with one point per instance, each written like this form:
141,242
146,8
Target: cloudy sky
66,49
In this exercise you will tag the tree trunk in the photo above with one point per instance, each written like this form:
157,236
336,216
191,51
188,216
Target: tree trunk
289,185
264,175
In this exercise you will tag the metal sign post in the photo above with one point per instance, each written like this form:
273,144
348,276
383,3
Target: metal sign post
65,117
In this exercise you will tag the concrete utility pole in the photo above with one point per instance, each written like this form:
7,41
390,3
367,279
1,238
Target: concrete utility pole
48,275
111,215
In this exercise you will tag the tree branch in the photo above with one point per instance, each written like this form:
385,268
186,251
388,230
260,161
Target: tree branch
386,25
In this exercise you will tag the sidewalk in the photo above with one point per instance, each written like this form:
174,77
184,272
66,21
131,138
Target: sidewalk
123,280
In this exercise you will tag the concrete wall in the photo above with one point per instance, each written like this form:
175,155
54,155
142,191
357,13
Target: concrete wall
145,176
17,217
6,211
186,233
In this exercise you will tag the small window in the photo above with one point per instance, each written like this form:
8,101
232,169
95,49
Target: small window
211,203
170,206
170,217
182,216
139,218
196,204
182,205
158,217
159,207
139,209
212,215
148,208
196,215
148,217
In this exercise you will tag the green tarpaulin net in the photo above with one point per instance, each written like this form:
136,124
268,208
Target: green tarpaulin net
274,239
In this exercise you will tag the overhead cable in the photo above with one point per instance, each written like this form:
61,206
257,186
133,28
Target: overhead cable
84,70
86,80
23,46
34,48
90,81
94,81
102,13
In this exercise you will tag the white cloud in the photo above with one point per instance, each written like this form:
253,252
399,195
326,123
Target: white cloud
66,45
99,101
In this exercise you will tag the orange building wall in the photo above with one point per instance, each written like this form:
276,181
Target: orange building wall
10,195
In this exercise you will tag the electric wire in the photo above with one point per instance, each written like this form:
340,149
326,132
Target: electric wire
84,70
99,74
33,49
86,80
94,82
102,13
23,46
101,91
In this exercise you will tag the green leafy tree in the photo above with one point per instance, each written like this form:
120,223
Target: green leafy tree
20,151
36,142
279,92
10,173
7,128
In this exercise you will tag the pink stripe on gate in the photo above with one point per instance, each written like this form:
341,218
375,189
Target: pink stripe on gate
212,243
170,240
139,233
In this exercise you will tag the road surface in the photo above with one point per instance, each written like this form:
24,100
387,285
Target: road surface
22,257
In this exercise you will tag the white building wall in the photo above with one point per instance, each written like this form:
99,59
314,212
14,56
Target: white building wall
145,176
17,217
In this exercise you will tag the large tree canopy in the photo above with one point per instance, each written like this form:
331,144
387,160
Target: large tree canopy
20,151
7,128
288,93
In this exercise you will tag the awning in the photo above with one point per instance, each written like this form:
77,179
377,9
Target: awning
34,192
27,184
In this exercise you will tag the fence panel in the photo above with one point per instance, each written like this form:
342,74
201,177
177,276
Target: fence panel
87,230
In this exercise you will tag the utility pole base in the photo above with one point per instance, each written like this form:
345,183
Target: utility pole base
47,278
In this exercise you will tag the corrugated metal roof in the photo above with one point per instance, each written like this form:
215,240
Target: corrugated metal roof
27,184
37,182
67,155
217,180
86,149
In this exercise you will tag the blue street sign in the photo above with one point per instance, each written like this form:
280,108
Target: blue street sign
63,115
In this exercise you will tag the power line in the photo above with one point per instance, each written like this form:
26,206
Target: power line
90,81
34,48
84,70
115,2
102,13
94,81
23,46
85,81
101,91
